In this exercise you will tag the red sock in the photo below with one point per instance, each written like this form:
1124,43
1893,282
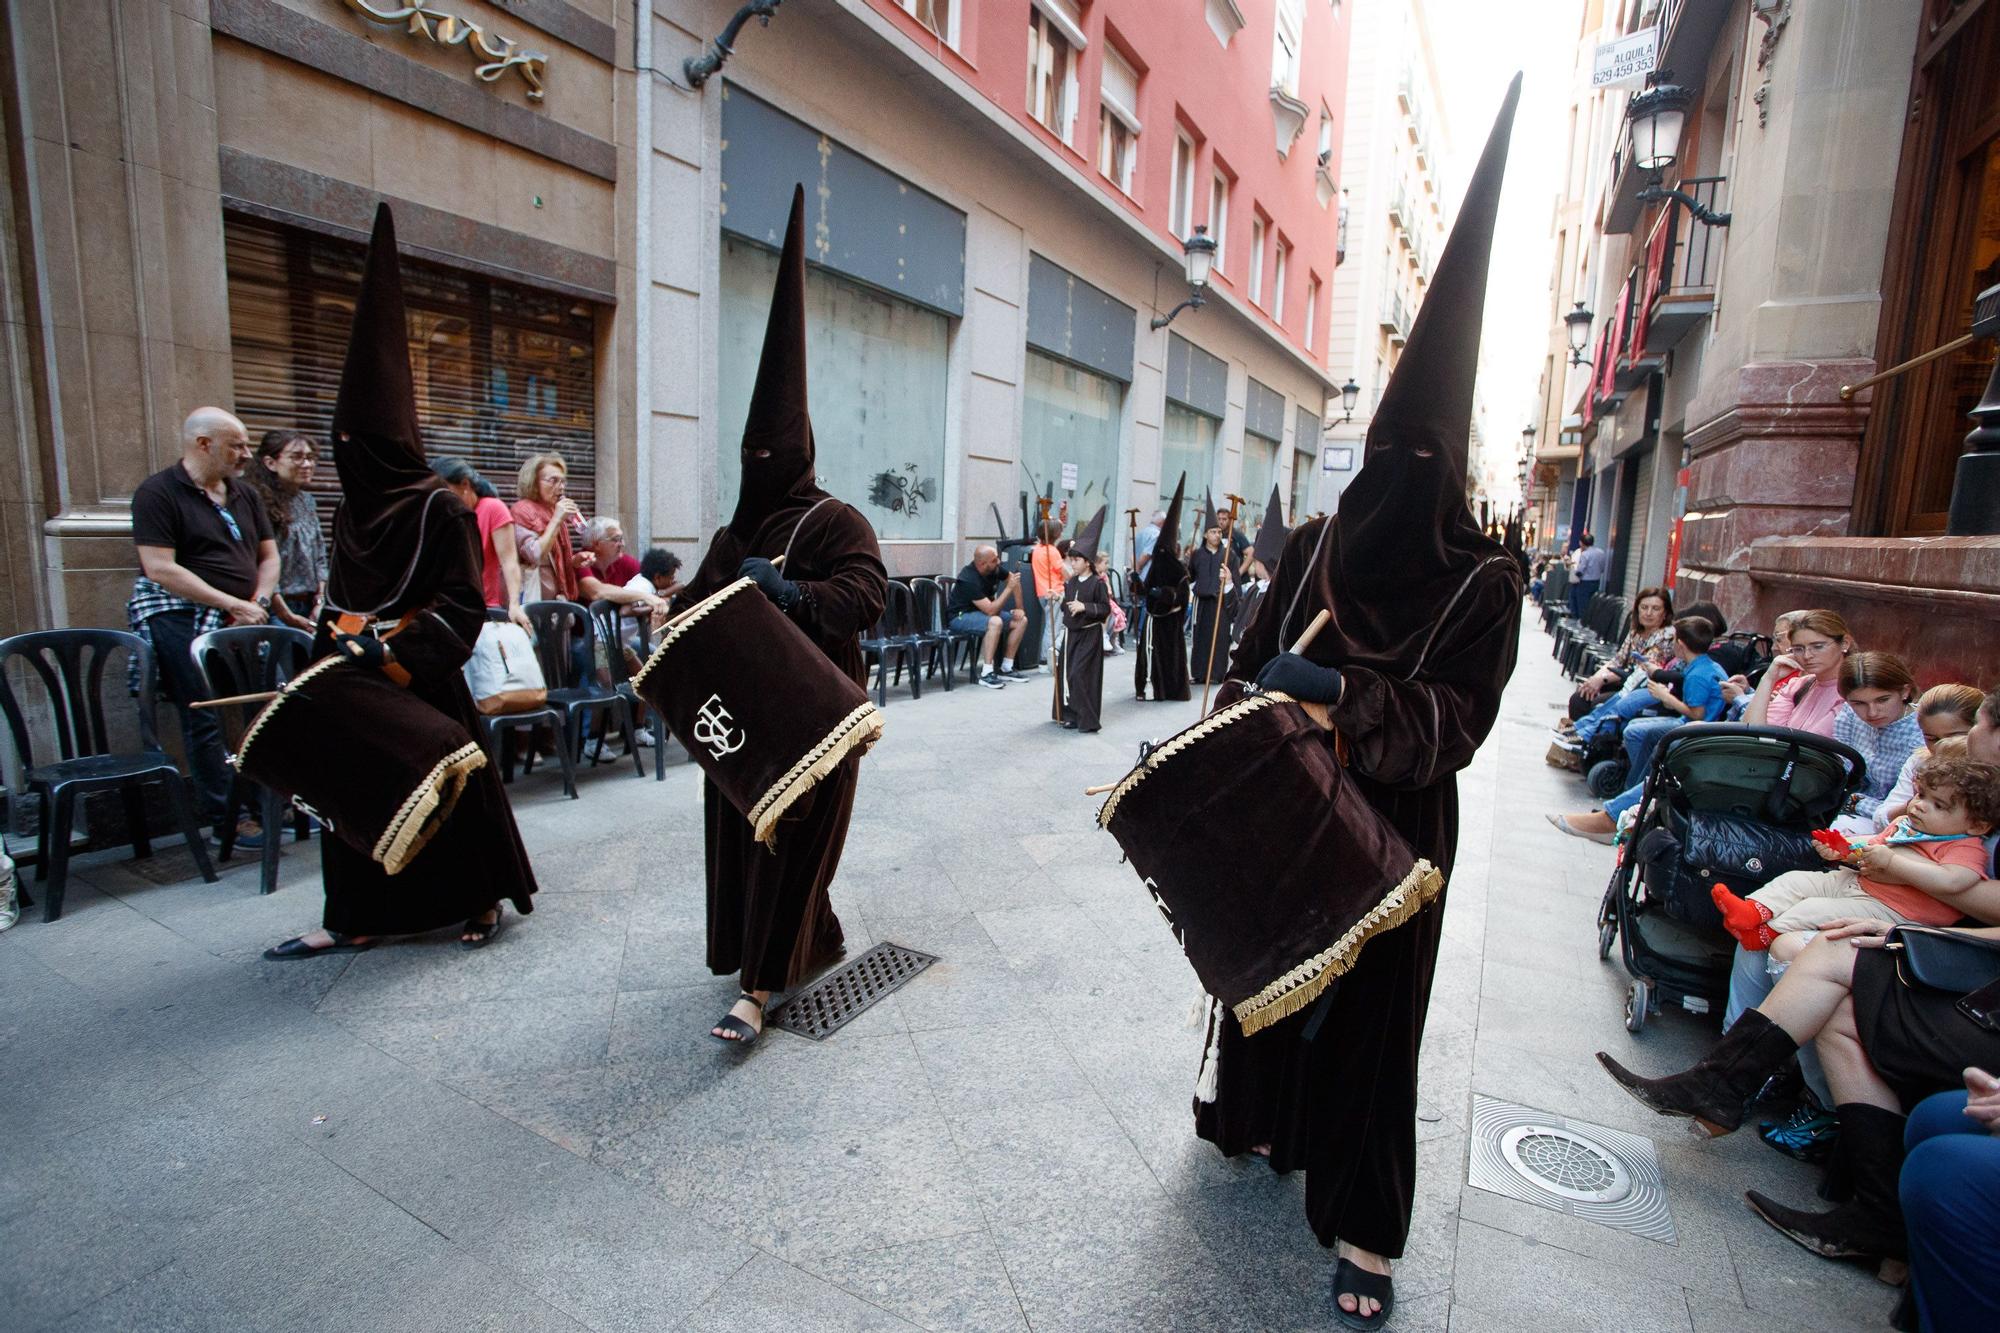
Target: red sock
1744,918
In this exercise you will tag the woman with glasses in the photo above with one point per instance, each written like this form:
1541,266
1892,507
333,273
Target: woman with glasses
281,473
1801,689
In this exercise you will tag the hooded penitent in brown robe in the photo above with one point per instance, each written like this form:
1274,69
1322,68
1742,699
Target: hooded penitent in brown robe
402,543
1163,642
1082,668
1270,545
769,918
1425,611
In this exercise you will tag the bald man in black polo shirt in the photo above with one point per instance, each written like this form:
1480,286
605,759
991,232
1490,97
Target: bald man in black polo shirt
207,558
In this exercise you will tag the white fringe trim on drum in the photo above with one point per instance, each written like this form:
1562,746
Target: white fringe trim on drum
681,623
857,731
1303,984
1214,722
265,713
424,813
1208,1082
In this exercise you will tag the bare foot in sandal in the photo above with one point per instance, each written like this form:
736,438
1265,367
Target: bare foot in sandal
744,1022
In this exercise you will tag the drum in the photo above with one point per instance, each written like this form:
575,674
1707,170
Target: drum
1269,865
756,703
398,769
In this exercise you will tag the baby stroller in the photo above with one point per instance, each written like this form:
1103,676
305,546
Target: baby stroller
1724,804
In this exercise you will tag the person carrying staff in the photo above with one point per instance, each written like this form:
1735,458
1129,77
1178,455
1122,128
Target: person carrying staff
1421,641
1208,567
1163,641
769,918
406,554
1086,605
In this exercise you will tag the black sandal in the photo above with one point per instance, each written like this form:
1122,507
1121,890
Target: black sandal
482,933
1352,1280
296,947
740,1032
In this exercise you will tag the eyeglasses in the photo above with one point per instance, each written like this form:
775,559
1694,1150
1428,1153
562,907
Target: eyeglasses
229,520
1812,647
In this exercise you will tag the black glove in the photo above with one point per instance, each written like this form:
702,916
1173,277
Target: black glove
363,650
1289,673
781,590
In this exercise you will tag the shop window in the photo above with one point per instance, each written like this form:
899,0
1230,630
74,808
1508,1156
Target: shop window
501,370
1070,426
1260,465
1304,464
1187,444
875,381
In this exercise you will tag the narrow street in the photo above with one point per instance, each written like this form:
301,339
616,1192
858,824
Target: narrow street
541,1136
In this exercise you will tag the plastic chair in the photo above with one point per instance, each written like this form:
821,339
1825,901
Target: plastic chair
970,640
245,659
495,725
892,640
933,639
563,632
70,663
610,624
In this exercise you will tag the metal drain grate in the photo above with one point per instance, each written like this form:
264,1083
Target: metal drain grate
842,995
1567,1166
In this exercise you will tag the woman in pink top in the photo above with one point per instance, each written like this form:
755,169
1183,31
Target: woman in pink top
1801,689
500,565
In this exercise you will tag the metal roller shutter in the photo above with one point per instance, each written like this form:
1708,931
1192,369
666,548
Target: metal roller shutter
1642,509
502,371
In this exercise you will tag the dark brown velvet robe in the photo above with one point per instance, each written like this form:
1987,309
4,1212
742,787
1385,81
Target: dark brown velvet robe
1208,650
769,917
1343,1106
1082,668
1163,643
477,858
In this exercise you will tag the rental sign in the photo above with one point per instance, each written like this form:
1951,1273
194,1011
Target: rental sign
1626,62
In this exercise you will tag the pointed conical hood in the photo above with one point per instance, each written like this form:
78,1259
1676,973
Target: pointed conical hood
1403,540
1166,565
1271,533
777,435
1208,518
1086,543
378,451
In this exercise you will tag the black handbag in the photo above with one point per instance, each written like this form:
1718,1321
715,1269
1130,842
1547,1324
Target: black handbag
1952,963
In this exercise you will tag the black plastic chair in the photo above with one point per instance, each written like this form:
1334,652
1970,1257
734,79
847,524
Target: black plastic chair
933,639
611,627
563,632
70,663
246,659
893,639
496,726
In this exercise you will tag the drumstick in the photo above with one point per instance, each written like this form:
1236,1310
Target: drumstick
261,697
1299,645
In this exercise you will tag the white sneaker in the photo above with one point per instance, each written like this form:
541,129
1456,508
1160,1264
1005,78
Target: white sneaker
10,902
992,680
643,738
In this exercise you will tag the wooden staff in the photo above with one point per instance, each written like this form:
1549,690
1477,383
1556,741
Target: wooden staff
1215,630
1299,645
261,697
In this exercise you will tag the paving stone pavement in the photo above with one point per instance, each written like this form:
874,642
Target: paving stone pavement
540,1135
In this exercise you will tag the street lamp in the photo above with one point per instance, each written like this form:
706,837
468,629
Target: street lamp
1349,392
1200,252
1577,322
1657,117
1527,443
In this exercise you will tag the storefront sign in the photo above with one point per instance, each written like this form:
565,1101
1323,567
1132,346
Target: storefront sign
1626,62
1069,477
496,54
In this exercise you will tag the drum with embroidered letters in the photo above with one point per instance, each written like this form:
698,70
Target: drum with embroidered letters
393,779
756,703
1252,779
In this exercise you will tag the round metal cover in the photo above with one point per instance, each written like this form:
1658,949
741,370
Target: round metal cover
1565,1163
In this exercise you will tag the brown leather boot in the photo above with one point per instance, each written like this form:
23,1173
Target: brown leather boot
1870,1226
1717,1092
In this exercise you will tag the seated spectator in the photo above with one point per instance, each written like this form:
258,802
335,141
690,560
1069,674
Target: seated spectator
1913,873
1950,1192
662,569
604,537
499,553
1649,643
981,596
280,474
1700,698
1738,689
1878,719
1801,688
1944,713
1883,1045
206,559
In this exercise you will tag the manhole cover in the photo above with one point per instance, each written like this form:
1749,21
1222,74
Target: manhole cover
842,995
1568,1166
